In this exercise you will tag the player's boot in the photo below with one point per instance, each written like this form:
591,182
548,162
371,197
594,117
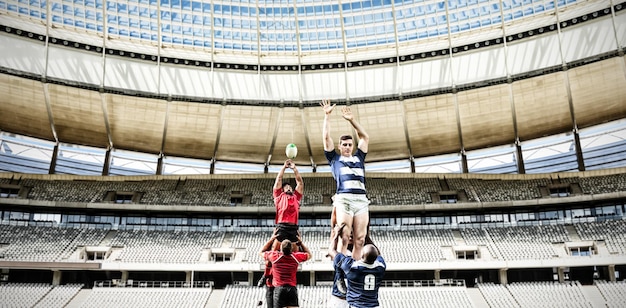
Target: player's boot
341,286
261,281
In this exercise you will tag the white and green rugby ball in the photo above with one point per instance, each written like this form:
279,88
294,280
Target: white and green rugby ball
291,151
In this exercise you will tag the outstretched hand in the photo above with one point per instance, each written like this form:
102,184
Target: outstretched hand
347,113
327,106
290,164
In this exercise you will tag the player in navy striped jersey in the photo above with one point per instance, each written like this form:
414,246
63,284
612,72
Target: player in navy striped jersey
348,169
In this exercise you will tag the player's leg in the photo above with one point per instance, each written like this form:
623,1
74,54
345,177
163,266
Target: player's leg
269,297
359,223
344,218
293,300
343,215
333,223
267,272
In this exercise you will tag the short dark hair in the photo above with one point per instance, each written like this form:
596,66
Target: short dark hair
285,184
285,247
345,137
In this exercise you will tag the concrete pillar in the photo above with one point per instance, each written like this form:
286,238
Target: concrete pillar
612,276
503,276
56,277
437,275
251,278
4,274
188,276
312,279
561,273
124,276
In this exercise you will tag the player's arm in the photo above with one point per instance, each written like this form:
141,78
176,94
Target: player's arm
299,181
279,177
368,240
268,245
364,138
304,248
329,145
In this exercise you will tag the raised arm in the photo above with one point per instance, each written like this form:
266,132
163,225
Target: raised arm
329,145
279,177
334,242
299,181
364,138
268,245
304,248
368,240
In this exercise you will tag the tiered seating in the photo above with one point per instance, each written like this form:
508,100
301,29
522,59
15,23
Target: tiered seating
528,242
253,242
611,231
408,297
549,294
614,293
164,246
24,242
317,242
603,184
147,297
413,245
244,296
479,237
401,191
189,192
59,296
314,296
319,187
497,295
389,297
381,190
499,190
36,243
64,191
22,294
88,237
259,189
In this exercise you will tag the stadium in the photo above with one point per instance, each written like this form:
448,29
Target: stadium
140,140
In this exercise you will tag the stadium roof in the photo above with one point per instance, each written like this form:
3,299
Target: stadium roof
238,80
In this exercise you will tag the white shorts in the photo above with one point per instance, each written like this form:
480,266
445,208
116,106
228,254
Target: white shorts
351,204
336,302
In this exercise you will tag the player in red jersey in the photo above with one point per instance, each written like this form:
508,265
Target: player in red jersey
287,202
284,268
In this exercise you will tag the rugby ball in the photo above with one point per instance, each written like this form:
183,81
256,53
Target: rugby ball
291,151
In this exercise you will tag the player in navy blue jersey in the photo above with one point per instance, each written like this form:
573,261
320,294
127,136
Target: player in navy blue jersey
364,275
339,290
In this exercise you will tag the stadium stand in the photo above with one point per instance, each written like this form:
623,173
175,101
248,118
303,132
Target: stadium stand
381,191
549,294
231,246
147,297
497,295
614,293
59,243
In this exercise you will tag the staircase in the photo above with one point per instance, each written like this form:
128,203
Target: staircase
571,232
79,299
106,241
458,238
